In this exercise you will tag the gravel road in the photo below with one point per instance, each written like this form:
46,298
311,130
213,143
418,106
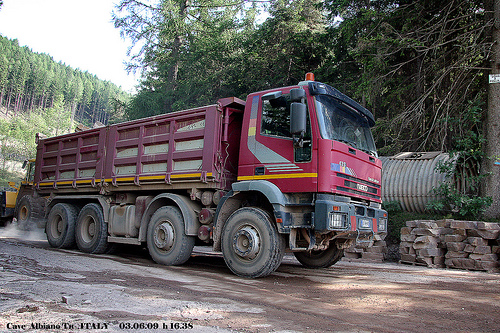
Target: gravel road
48,290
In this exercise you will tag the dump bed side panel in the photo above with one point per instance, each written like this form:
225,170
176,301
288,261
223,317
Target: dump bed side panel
173,150
164,149
70,161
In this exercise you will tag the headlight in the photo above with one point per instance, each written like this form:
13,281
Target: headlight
382,224
338,221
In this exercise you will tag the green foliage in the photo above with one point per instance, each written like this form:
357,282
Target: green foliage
17,137
17,134
7,176
458,204
414,64
459,195
397,219
55,120
216,49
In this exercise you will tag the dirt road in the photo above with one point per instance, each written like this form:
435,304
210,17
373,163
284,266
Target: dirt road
47,290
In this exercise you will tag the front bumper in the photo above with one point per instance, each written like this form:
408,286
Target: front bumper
335,213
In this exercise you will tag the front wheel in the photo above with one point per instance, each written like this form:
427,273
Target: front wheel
167,241
251,245
320,259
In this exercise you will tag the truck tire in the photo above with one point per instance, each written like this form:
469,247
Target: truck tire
251,244
91,230
29,213
320,259
60,227
167,241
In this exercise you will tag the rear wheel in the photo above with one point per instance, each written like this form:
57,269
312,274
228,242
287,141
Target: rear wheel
167,241
320,259
251,245
60,227
91,230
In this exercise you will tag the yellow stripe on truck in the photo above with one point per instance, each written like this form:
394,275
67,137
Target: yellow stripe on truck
128,179
280,176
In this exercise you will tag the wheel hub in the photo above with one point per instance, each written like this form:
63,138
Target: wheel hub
246,243
164,236
91,229
88,229
23,213
60,226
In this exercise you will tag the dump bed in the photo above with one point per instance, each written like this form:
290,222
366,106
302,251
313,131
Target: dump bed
181,150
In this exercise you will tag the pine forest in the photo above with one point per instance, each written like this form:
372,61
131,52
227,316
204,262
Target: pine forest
30,81
39,95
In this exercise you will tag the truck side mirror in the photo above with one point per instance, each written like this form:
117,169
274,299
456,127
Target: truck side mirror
298,118
297,94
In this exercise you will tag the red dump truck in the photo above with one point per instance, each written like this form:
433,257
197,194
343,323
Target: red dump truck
291,169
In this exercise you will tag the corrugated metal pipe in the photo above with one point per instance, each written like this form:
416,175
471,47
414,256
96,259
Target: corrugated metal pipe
410,178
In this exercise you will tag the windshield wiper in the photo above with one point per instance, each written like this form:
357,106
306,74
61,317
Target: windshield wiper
350,143
354,145
369,152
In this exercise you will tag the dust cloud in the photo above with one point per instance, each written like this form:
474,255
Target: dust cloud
12,230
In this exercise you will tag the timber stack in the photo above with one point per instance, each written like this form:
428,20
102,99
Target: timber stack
422,242
367,252
453,244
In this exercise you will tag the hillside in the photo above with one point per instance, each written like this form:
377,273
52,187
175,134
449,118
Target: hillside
39,95
30,81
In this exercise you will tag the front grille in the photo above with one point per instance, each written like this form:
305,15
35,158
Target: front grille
357,180
353,191
354,185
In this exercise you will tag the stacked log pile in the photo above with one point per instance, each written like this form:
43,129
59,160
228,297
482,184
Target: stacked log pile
453,244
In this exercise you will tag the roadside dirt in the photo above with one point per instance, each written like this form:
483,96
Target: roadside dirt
48,290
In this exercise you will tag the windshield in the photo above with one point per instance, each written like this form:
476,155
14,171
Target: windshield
339,122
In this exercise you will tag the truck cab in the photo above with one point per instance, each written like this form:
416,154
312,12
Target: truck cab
308,152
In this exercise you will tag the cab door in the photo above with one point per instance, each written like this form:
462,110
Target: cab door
277,158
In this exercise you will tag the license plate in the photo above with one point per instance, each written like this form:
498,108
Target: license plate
364,223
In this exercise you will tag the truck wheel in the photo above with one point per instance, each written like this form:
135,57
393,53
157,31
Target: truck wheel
60,227
91,230
167,241
320,259
251,244
28,213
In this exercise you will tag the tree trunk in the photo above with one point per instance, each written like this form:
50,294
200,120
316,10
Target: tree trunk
32,101
491,162
17,104
73,111
9,94
176,47
41,103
